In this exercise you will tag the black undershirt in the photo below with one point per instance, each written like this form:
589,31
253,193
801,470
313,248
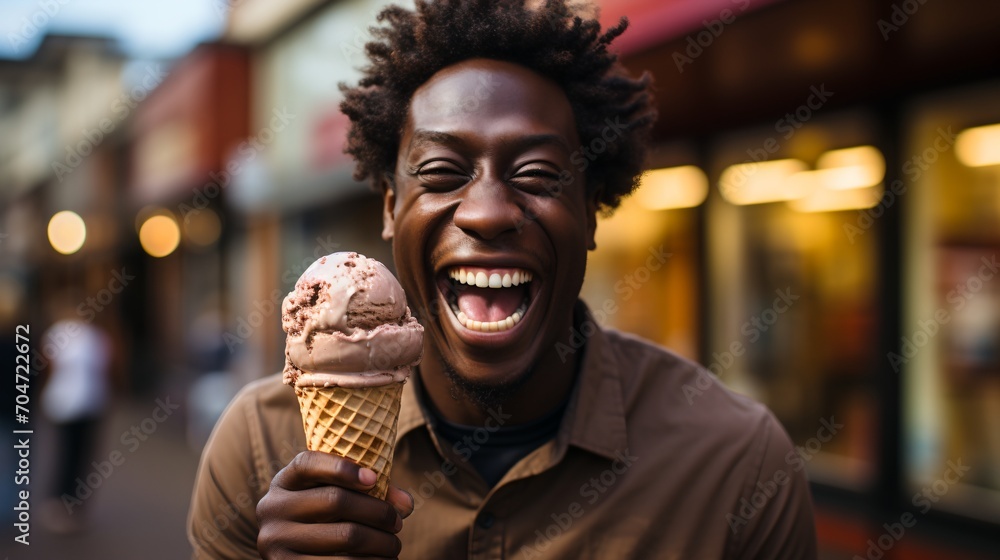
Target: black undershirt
494,449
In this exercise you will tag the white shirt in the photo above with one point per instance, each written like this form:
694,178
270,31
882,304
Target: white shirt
79,385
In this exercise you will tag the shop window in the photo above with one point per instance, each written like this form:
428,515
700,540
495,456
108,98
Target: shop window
793,302
950,348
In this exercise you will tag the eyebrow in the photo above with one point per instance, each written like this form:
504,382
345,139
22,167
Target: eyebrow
423,136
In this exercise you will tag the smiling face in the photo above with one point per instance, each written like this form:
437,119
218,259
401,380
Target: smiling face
490,222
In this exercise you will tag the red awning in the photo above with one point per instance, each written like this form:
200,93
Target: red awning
654,21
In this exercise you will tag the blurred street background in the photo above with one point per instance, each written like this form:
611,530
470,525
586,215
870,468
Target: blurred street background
819,225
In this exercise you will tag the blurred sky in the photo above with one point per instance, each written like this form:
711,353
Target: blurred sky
145,28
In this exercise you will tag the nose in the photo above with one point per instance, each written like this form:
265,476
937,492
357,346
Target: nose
488,209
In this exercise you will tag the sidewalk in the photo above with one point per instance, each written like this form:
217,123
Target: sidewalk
138,511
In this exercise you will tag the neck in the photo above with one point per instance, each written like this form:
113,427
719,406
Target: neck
547,386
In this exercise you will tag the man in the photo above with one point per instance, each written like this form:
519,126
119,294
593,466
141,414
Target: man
515,127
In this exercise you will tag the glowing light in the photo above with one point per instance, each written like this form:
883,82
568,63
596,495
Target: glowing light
67,232
823,199
673,187
159,235
852,168
756,183
203,227
979,147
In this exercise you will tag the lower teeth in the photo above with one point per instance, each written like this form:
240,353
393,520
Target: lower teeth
490,326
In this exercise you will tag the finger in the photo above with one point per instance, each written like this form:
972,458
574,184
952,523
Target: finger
330,504
401,500
312,557
310,469
344,538
349,557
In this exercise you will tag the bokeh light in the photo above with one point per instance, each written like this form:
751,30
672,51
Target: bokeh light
159,235
203,227
979,147
673,187
67,232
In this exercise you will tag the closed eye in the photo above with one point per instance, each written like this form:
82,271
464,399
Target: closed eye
441,175
537,173
537,179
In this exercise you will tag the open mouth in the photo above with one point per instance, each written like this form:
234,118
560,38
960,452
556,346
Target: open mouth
488,299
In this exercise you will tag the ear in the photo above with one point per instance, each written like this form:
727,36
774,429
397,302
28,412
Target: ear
592,209
388,208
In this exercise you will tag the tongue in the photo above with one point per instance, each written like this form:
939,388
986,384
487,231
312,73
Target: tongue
490,304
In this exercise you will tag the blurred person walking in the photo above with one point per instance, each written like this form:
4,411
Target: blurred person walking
74,398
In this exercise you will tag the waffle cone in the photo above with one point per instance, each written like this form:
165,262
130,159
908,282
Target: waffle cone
356,423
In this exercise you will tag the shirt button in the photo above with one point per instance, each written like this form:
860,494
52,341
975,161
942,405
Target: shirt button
485,520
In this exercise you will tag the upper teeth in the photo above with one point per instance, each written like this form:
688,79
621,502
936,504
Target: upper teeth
493,280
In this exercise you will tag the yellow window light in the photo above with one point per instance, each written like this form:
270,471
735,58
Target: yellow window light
852,168
756,183
979,147
673,187
823,199
159,235
67,232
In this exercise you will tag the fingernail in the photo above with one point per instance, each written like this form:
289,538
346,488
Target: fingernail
399,524
367,476
412,504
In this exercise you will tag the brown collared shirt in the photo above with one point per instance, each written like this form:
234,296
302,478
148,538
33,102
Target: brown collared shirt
654,458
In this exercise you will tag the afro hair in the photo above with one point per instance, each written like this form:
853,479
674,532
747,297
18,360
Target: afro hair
553,39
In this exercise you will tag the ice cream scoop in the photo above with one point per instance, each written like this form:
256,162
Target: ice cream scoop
348,325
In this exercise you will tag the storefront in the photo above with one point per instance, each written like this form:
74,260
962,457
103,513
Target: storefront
840,268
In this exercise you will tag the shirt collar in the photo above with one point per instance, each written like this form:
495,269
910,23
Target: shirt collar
595,417
411,414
